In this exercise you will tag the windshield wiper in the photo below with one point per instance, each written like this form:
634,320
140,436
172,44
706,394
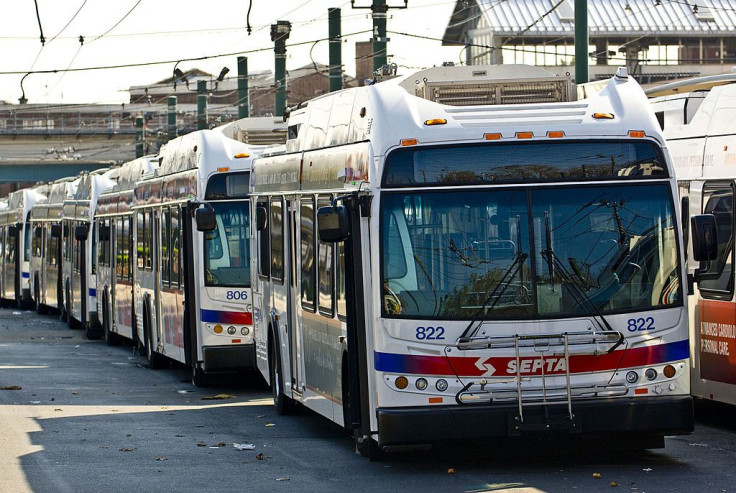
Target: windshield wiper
495,295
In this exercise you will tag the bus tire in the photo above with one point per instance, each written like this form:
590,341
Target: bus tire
111,338
283,404
199,377
367,447
41,309
155,360
68,309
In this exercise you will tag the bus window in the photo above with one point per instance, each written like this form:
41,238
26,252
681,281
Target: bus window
165,243
264,247
340,287
139,239
148,240
718,199
176,278
277,240
226,249
308,276
325,269
119,249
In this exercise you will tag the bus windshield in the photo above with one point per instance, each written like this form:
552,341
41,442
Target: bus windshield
226,248
528,252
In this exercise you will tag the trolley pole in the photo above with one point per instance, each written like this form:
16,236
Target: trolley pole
380,41
581,41
335,49
172,116
243,100
279,34
201,105
139,136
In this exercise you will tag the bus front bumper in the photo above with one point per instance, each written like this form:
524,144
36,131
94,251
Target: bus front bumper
653,416
229,358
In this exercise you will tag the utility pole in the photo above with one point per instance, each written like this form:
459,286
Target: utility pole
243,100
581,41
335,33
279,34
379,13
201,105
139,136
172,117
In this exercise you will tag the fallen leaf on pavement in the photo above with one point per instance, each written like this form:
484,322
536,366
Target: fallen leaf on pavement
217,397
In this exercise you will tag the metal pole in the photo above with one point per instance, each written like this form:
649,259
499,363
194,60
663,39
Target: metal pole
581,41
201,105
138,136
172,117
243,100
279,34
335,49
380,40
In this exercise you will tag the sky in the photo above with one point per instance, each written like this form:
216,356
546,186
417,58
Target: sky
124,32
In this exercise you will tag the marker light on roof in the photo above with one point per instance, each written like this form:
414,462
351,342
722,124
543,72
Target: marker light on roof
636,133
409,142
524,135
223,170
435,121
603,116
492,136
553,134
241,155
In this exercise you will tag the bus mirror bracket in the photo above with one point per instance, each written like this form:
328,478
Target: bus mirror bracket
261,218
81,232
205,218
333,223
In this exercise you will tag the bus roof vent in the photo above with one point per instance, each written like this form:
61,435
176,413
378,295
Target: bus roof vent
493,85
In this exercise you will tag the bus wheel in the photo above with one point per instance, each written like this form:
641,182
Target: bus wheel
367,447
155,360
41,309
111,338
199,377
282,403
68,308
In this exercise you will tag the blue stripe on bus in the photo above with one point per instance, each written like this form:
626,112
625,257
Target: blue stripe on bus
26,275
93,292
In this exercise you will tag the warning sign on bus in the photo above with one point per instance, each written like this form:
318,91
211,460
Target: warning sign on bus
716,338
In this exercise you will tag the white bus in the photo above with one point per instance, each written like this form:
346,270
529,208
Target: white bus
698,117
78,247
115,255
485,271
192,283
15,238
45,265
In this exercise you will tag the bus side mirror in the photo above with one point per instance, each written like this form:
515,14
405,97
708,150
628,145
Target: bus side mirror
333,223
55,230
205,218
705,237
261,218
104,233
81,232
13,230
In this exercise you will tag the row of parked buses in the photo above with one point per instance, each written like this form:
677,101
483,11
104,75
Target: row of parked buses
462,254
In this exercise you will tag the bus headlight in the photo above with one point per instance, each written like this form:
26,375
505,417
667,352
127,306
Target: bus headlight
421,383
231,330
245,331
651,373
441,385
632,377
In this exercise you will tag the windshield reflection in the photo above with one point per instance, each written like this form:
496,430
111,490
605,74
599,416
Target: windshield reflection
226,249
524,253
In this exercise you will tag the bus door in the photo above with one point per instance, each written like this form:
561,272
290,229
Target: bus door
714,328
297,376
